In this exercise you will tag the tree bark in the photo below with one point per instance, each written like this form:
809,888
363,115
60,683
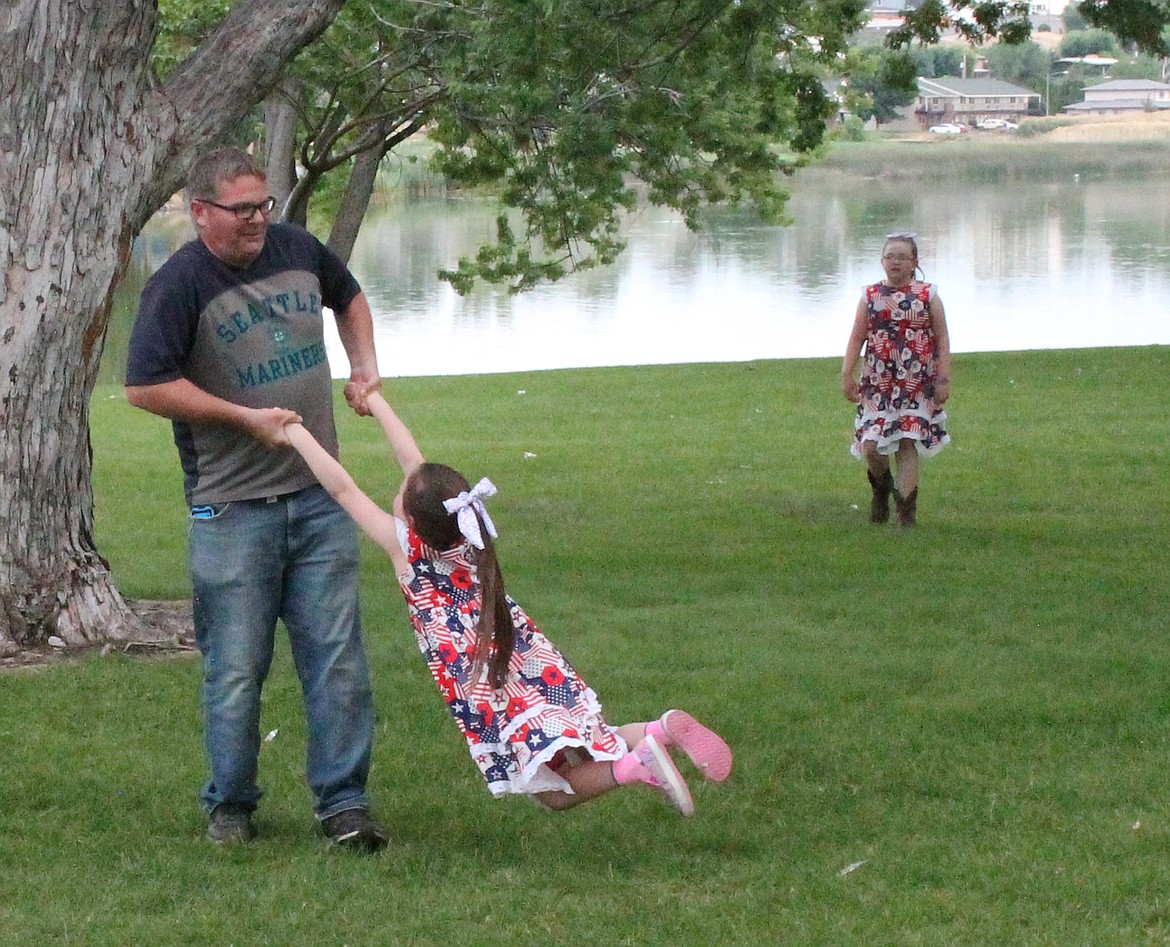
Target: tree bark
90,147
280,141
358,190
363,175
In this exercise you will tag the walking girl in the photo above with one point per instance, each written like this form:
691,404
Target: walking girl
904,380
531,723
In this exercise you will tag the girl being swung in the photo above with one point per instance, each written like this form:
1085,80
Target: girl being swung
531,723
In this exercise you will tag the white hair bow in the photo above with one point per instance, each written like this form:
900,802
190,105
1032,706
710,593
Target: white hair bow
466,505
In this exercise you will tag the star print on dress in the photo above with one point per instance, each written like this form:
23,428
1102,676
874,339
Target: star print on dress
519,734
898,373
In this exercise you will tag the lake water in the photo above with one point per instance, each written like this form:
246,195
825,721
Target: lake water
1055,265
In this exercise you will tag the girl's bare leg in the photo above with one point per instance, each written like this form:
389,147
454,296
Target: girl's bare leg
591,778
632,733
906,479
877,464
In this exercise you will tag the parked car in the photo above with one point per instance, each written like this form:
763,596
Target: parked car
996,123
947,128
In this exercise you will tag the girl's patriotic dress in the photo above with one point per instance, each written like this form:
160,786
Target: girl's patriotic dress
543,717
898,373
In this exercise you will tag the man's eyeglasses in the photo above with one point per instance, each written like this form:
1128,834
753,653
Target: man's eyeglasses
246,210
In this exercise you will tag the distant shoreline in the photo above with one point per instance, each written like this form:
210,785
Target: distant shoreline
1042,149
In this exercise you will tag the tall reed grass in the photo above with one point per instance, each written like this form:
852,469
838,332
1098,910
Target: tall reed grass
990,157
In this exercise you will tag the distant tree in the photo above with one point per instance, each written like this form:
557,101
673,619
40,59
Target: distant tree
1064,89
932,62
1090,42
1024,64
1138,67
1141,22
977,22
853,129
882,81
1072,19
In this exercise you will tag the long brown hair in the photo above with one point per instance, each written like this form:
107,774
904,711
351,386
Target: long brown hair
426,489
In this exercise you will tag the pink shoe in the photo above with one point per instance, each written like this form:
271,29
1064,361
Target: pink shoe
664,775
705,747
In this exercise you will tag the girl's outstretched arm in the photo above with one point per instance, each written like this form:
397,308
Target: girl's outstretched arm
397,433
374,521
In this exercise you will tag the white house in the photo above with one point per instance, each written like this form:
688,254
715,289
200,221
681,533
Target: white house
968,101
1119,96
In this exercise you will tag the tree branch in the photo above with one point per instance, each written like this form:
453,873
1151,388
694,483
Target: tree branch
235,67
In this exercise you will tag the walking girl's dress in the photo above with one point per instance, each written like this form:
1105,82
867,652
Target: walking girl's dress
898,373
543,717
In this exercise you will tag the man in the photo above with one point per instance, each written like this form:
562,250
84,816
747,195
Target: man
229,328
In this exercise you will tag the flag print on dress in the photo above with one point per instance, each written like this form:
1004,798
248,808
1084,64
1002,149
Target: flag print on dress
519,733
897,375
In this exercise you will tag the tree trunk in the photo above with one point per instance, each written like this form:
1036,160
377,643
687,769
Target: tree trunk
296,208
363,176
358,189
89,148
280,141
63,245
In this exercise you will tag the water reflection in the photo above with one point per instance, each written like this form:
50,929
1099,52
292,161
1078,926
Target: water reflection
1020,267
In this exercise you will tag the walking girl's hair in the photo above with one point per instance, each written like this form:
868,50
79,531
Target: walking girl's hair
422,499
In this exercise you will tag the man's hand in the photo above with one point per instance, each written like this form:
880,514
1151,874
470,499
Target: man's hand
267,425
358,389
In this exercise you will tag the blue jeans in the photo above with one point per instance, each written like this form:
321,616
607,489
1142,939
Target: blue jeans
294,558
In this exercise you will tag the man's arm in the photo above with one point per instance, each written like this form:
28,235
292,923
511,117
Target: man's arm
355,326
181,400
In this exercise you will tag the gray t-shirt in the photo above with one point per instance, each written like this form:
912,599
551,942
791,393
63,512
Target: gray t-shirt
253,336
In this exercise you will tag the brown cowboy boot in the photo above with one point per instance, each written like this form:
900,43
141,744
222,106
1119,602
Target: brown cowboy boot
879,507
907,508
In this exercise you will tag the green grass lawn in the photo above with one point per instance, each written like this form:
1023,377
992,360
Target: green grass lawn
957,735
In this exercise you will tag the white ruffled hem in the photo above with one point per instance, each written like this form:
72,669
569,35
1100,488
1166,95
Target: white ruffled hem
537,776
888,446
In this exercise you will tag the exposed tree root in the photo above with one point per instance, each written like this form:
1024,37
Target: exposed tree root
166,629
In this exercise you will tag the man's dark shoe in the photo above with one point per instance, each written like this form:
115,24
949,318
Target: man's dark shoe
230,823
354,829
